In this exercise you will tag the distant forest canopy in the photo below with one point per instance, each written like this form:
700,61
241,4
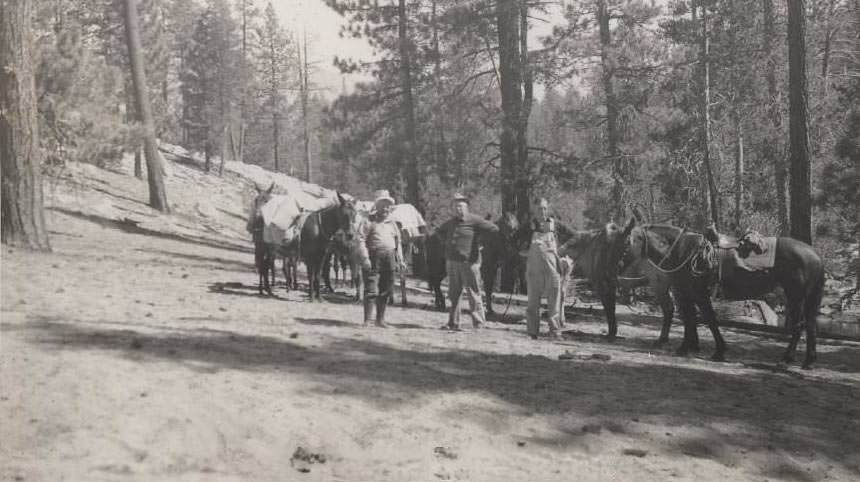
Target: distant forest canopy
451,104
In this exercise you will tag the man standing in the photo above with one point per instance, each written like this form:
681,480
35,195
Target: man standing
542,275
381,237
463,261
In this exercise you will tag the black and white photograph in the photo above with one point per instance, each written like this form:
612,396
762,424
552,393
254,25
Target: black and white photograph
430,240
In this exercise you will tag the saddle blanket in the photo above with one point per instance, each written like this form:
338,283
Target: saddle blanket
766,259
755,262
409,218
281,216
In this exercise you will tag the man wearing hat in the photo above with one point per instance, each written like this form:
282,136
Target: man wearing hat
381,237
463,260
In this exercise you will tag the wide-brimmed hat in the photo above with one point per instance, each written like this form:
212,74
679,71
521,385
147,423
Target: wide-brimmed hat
382,195
460,197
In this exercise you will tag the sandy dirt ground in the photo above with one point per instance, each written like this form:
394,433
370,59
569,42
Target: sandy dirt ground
126,356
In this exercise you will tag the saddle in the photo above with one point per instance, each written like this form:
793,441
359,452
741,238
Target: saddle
751,252
720,240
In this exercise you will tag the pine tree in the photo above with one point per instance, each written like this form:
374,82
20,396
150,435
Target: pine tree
23,220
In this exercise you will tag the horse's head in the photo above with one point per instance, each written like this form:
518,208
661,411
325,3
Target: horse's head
255,213
617,241
639,241
346,213
263,196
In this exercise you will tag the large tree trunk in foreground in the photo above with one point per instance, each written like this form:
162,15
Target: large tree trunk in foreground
510,78
409,151
154,163
704,59
800,212
23,217
612,134
774,154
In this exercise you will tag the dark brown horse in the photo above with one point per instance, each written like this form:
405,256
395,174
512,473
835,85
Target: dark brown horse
797,269
596,255
316,234
688,259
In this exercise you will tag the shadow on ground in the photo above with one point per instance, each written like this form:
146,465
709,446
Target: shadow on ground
773,407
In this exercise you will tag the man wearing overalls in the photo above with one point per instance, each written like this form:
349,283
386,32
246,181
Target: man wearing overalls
542,277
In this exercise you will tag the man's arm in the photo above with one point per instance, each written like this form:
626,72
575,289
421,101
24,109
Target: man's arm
485,226
562,231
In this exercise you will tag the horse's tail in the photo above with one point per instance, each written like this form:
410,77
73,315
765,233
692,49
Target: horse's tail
813,299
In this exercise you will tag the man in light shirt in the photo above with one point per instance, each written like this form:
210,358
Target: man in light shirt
381,238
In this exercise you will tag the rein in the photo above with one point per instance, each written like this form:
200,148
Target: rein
704,252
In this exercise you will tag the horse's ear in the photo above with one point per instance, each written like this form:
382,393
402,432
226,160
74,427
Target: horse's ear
269,191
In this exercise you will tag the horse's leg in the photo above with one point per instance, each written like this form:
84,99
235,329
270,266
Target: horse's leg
813,302
358,281
325,271
691,336
668,308
285,269
268,267
403,287
309,264
607,297
793,321
710,318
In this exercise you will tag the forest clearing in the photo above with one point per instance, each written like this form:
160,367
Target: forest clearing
146,354
533,163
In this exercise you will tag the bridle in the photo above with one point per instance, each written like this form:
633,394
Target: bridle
704,253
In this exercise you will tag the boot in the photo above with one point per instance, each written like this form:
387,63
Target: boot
368,309
381,305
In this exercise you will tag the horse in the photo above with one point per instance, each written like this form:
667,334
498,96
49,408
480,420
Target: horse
596,254
640,273
499,250
689,261
265,253
797,268
316,233
343,250
496,249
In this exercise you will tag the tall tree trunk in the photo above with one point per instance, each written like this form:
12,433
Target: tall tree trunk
704,59
616,209
440,150
800,211
774,153
130,118
23,216
410,163
737,99
510,79
154,163
275,139
524,178
239,150
303,86
739,173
